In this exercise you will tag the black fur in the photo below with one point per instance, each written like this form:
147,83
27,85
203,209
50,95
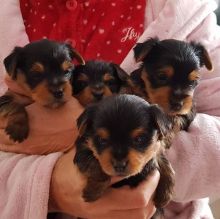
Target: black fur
120,115
50,54
42,70
95,71
183,58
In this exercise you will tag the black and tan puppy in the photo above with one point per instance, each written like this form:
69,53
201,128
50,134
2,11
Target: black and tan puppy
97,79
123,136
169,74
42,71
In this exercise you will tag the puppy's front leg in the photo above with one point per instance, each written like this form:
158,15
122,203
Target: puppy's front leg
16,116
95,189
97,180
166,183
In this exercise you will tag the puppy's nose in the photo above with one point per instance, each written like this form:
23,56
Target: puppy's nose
177,105
120,166
58,94
98,96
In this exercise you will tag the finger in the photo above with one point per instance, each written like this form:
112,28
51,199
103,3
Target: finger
128,198
10,148
126,214
150,210
116,179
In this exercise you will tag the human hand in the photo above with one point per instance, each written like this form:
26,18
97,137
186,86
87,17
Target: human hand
66,188
51,130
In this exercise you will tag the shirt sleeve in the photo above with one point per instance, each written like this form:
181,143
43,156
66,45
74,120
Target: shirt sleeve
12,32
195,155
24,185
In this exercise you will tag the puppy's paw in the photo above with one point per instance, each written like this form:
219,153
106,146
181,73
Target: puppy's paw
18,130
5,99
91,196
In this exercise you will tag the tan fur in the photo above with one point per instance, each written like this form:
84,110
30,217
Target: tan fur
107,92
66,65
103,133
135,133
85,96
107,77
83,77
21,80
43,96
207,60
193,76
187,105
104,159
132,88
37,67
167,70
136,159
157,96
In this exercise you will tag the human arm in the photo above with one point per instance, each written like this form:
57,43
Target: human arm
125,202
195,154
26,181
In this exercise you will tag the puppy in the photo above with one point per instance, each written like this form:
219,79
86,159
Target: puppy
168,76
123,136
42,71
97,79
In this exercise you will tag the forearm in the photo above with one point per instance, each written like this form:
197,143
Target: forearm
24,185
195,157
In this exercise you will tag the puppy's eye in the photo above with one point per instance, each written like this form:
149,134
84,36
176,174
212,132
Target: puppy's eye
162,78
140,140
101,141
110,82
82,84
37,77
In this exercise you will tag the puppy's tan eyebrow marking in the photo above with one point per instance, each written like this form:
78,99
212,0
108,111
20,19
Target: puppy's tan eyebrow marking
168,70
66,65
194,75
103,133
37,67
136,132
83,77
107,77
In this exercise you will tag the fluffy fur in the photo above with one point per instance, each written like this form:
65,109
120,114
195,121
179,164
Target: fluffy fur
168,76
123,136
42,71
96,80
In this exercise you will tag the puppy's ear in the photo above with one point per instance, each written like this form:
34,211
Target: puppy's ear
75,54
142,49
10,62
160,121
123,76
203,55
85,120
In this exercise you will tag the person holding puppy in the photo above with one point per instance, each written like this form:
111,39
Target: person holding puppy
53,177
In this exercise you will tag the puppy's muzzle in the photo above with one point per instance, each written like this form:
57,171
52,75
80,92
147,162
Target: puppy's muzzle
56,89
177,101
176,105
120,166
97,95
97,91
58,94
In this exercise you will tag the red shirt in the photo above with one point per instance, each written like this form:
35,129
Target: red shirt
98,29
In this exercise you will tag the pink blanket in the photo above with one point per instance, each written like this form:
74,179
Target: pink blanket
195,155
